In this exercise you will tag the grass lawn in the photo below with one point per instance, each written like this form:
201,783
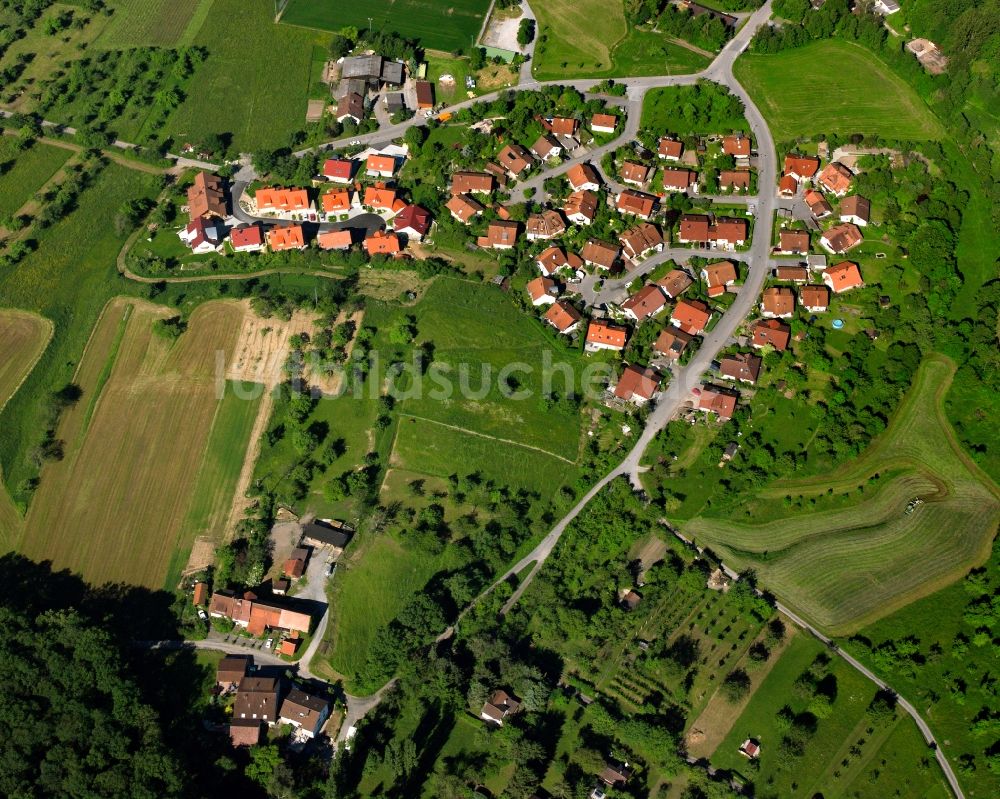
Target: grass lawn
849,565
22,173
788,86
887,750
153,23
68,280
137,479
254,85
441,26
571,44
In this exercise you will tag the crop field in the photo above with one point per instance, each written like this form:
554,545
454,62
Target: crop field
879,759
573,46
255,82
68,279
788,86
439,26
24,337
153,23
134,479
24,172
864,558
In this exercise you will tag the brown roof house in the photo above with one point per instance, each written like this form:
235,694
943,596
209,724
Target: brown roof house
645,303
679,179
257,699
498,706
778,301
819,207
637,384
737,179
742,366
599,253
546,147
500,235
553,259
206,196
770,333
295,565
232,669
720,401
515,159
672,342
738,145
637,203
471,182
794,274
304,711
670,149
463,208
352,107
793,241
675,283
583,177
841,238
581,207
546,225
855,209
718,276
244,732
814,299
636,174
615,774
603,123
641,240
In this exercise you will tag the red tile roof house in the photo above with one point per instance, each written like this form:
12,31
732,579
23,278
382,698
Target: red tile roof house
203,235
305,712
738,179
280,202
472,183
635,174
675,283
843,277
603,123
554,259
787,186
338,170
742,366
718,276
856,209
801,167
691,316
641,240
604,336
637,385
679,179
738,146
841,238
289,237
693,229
581,207
636,203
337,201
199,594
836,179
546,147
815,299
499,705
463,208
670,149
645,303
750,748
382,166
500,235
515,159
384,201
382,243
794,274
206,196
778,301
562,126
599,254
818,205
295,566
542,290
563,317
583,177
335,239
770,333
720,401
672,342
413,222
728,233
546,225
793,241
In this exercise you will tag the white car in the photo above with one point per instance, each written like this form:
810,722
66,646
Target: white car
268,643
202,614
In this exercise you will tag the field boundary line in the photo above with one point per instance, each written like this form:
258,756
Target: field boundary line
488,436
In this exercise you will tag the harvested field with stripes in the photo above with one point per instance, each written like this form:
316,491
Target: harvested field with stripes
914,513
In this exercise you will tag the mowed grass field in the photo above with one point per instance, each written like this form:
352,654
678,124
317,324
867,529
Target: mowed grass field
834,86
24,336
446,26
884,762
153,23
24,172
255,82
150,447
866,557
591,38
